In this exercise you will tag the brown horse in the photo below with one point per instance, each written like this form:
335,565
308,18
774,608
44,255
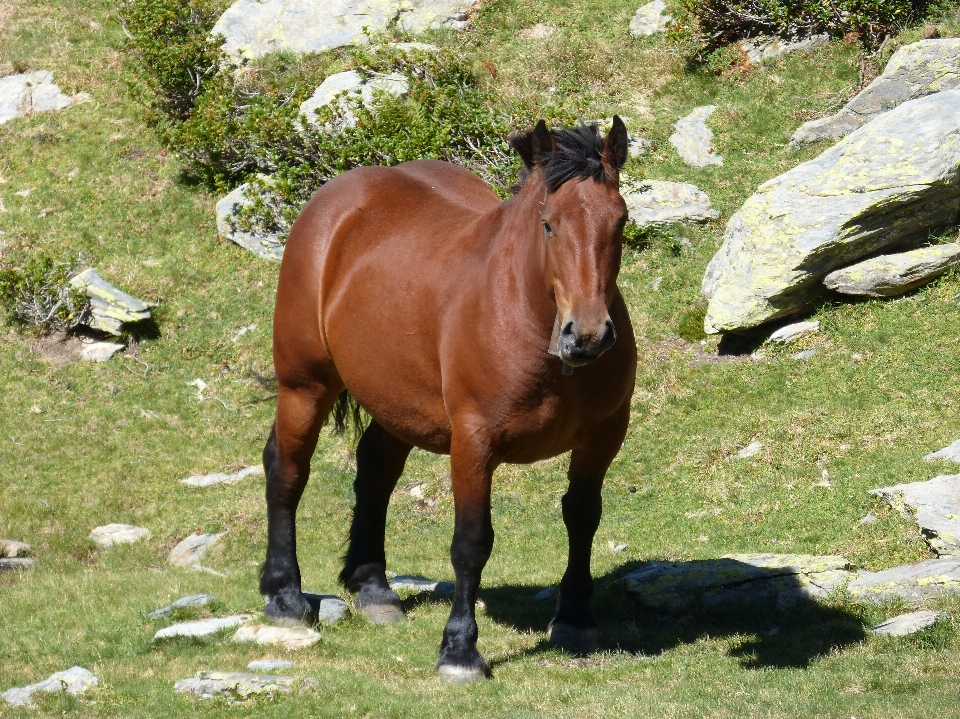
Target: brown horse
431,301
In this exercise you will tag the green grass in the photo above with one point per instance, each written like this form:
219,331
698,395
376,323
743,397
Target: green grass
87,444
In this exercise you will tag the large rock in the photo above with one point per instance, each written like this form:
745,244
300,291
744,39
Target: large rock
935,504
347,88
110,308
24,94
767,47
252,28
910,583
268,246
650,19
74,680
694,140
892,275
886,184
915,70
659,202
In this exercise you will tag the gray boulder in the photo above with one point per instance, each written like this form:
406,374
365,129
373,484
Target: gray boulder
694,140
110,308
887,184
74,680
915,70
659,202
347,89
935,504
268,246
650,19
911,583
25,94
891,275
767,47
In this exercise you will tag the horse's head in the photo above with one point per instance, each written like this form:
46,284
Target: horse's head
582,215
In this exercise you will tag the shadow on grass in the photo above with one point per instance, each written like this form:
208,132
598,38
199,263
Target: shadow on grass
791,636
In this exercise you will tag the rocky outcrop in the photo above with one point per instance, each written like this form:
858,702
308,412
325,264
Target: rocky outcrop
659,202
892,275
252,28
935,505
910,583
28,93
885,185
915,70
909,623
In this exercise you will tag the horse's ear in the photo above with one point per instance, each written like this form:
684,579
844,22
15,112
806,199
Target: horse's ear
615,146
534,147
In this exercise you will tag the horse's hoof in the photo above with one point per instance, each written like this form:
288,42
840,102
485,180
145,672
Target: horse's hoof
289,609
576,640
453,674
382,613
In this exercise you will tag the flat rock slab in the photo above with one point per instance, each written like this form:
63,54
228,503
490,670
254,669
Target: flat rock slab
892,275
25,94
191,550
762,48
911,583
234,685
207,480
738,579
415,583
269,665
792,332
202,628
74,680
268,246
935,505
12,548
99,351
287,637
111,308
111,534
650,19
950,452
886,184
252,28
659,202
348,89
18,564
694,140
194,600
915,70
750,450
910,623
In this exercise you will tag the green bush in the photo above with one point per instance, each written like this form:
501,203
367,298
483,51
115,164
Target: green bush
38,292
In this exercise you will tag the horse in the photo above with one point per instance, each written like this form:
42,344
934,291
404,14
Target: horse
492,331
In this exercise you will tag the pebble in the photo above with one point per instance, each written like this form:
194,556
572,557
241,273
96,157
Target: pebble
750,450
111,534
206,480
74,680
286,637
869,519
194,600
202,628
269,665
908,623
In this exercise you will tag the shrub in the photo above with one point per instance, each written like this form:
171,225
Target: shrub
38,292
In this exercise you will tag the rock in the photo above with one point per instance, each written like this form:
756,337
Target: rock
349,88
252,28
111,534
891,275
911,623
766,47
27,93
269,665
910,583
737,579
414,583
191,550
414,47
537,32
931,32
18,564
99,351
327,609
806,354
110,308
693,139
750,450
74,680
659,202
545,595
869,518
916,70
887,184
638,146
194,600
790,333
206,480
935,504
268,246
650,19
286,637
202,628
233,685
950,452
11,548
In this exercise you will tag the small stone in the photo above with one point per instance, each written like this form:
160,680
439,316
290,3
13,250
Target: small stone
750,450
910,623
856,357
545,594
868,519
806,354
328,609
207,480
693,139
269,665
617,548
287,637
416,491
659,202
18,564
191,550
791,333
233,685
99,351
243,330
951,452
24,94
537,32
655,285
650,19
74,680
11,548
194,600
111,534
415,583
202,628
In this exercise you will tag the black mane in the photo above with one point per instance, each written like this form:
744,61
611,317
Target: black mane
577,157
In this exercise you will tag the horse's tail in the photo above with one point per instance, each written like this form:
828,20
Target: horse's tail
347,411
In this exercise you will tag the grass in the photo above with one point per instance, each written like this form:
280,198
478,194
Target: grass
86,444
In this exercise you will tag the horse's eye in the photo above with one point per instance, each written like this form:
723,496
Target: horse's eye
622,223
546,226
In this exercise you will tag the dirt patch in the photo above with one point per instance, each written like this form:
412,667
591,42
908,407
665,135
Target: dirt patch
57,348
697,354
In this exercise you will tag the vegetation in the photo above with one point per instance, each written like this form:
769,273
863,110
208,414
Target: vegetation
38,292
85,444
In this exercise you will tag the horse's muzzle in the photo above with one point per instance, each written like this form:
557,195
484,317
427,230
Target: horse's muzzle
578,347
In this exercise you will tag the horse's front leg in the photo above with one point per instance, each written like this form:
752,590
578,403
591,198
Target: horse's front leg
471,468
574,627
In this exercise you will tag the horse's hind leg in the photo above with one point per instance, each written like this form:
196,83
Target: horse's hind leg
286,459
574,627
380,460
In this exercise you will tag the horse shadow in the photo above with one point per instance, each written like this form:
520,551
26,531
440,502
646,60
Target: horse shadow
774,620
